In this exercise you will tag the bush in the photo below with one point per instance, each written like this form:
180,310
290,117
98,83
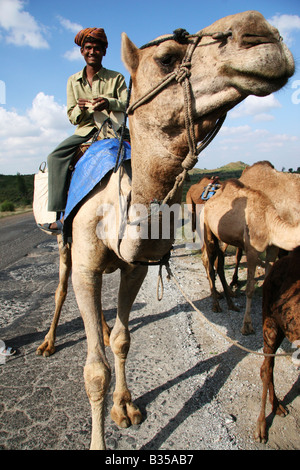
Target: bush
7,206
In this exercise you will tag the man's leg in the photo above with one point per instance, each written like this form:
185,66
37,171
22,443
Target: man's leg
59,173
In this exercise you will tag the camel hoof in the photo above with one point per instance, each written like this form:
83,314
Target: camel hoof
233,307
216,308
260,439
125,416
260,434
134,414
45,350
247,330
281,411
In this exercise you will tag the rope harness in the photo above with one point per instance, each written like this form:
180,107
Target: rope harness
182,76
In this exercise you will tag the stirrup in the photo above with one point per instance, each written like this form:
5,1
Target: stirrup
56,231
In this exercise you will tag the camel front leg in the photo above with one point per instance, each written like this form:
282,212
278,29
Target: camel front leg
47,348
220,269
87,288
252,261
209,255
238,257
124,412
272,340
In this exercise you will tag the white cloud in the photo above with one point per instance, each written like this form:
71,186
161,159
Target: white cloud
26,140
21,29
286,24
74,54
250,145
69,25
258,107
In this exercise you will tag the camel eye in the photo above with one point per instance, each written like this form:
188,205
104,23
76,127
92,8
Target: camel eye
166,62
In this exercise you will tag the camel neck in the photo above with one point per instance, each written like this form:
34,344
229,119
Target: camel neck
154,171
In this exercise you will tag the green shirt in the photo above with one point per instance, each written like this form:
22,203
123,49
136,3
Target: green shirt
106,83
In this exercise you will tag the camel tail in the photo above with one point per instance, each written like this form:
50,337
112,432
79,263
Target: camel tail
282,233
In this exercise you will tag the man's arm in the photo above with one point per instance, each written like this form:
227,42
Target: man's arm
118,103
76,110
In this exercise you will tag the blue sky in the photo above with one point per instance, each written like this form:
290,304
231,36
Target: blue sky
38,55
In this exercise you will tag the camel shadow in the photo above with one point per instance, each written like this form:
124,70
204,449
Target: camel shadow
202,396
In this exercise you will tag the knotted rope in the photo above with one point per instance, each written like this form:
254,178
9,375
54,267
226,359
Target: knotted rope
182,76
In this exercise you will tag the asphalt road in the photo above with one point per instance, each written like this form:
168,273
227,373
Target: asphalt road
195,390
18,236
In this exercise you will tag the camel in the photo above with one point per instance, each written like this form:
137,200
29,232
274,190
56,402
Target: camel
206,75
281,318
195,202
241,216
283,189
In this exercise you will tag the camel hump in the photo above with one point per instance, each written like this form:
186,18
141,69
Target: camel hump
258,166
237,184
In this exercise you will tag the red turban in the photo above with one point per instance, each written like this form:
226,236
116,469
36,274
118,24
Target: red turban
98,34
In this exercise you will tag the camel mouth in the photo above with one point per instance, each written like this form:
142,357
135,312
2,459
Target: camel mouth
266,83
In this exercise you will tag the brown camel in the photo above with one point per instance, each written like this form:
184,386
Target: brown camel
246,218
194,200
281,318
207,75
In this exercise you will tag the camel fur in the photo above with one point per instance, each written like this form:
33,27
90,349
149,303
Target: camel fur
223,71
281,318
240,216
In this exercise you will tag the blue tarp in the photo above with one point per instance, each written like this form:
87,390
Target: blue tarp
97,161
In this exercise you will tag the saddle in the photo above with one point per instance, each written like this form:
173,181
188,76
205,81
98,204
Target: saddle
107,130
209,191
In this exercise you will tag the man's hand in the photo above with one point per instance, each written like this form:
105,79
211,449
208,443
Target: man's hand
83,103
99,104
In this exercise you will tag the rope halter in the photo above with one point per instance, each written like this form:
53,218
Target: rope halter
182,76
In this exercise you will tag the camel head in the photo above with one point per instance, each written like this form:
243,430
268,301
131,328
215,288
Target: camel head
247,57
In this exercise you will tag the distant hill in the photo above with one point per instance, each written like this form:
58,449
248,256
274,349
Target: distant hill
16,189
233,167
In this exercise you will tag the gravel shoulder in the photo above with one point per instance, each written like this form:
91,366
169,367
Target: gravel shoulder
196,391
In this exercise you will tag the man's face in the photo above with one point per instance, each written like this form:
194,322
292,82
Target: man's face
92,53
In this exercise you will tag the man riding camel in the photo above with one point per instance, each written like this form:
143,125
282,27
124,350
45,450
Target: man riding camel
93,89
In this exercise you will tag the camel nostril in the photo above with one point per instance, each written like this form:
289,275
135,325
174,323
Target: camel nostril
250,40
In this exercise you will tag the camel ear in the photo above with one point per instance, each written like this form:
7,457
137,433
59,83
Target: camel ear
130,54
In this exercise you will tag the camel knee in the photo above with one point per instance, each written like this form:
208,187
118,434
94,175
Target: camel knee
120,343
97,379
